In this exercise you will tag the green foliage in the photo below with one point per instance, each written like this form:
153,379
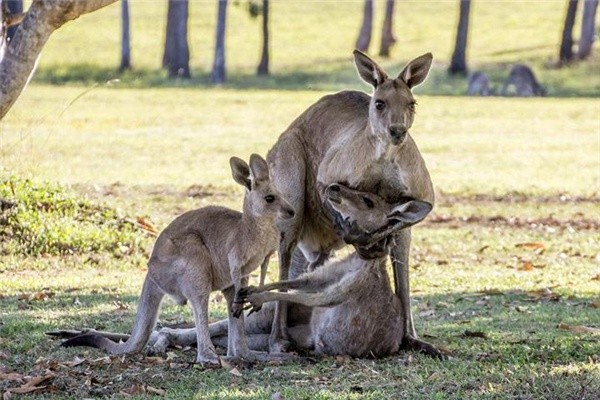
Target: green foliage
46,218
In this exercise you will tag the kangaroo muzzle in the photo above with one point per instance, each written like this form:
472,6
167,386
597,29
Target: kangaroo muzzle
398,134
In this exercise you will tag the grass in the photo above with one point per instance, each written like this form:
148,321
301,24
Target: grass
311,44
511,251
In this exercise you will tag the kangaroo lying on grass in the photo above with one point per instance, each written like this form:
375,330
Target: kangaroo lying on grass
355,311
524,82
363,142
345,307
211,248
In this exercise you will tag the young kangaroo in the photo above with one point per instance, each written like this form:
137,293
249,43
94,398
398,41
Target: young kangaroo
211,248
355,311
363,142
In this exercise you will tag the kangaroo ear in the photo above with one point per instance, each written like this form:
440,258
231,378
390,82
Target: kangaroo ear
416,71
368,69
259,170
240,172
410,213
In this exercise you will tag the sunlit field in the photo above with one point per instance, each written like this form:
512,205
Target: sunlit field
505,272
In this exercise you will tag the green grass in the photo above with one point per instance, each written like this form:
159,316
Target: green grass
312,43
88,159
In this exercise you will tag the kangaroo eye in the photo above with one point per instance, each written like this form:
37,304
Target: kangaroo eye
270,198
379,104
412,107
368,202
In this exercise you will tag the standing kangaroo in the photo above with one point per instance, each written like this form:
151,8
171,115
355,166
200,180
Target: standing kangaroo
211,248
363,142
355,312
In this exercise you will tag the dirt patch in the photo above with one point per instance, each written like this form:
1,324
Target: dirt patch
543,224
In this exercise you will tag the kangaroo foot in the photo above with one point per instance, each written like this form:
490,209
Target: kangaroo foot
208,362
420,346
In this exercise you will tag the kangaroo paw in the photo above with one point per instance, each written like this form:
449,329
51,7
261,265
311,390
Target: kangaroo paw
420,346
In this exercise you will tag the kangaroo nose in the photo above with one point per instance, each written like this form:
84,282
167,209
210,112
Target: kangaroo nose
398,131
290,213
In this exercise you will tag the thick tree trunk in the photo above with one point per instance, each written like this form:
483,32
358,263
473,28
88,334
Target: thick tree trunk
458,64
364,36
588,25
263,67
125,38
387,33
42,19
15,7
566,45
176,58
218,71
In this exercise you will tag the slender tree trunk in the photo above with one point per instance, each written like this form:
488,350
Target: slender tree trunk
458,64
125,37
218,71
364,36
176,58
387,33
15,7
42,19
566,45
263,67
588,25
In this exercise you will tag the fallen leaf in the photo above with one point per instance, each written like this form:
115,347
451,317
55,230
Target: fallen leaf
235,372
578,328
521,308
532,246
156,391
426,313
526,266
146,225
38,379
595,303
596,278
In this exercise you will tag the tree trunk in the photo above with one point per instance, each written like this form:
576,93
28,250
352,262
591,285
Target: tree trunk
176,58
387,33
15,7
588,25
41,20
125,38
218,71
458,64
364,36
566,44
263,67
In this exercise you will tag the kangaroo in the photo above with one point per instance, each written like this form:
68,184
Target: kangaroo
211,248
524,81
355,311
479,85
346,307
363,142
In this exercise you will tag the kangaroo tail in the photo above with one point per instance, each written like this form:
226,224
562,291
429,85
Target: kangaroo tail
145,320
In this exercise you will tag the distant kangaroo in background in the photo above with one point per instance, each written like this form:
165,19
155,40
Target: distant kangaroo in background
363,142
354,310
479,85
524,81
211,248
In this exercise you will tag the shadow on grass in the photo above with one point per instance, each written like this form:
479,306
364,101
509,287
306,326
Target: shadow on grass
522,354
331,76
